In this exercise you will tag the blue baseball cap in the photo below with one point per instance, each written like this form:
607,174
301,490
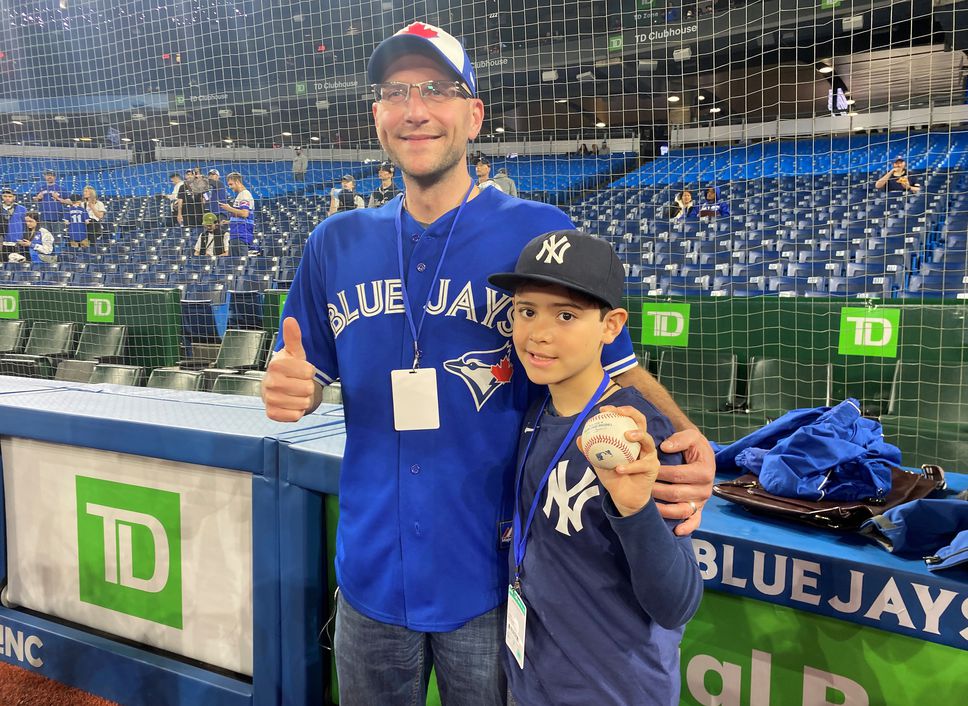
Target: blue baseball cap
426,40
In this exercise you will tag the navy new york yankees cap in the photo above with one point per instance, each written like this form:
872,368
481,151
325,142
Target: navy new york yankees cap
426,40
571,259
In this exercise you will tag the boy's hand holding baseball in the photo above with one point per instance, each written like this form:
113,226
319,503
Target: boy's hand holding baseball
630,484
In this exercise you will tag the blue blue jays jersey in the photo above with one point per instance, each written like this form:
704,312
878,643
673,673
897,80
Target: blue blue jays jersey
421,511
607,595
77,221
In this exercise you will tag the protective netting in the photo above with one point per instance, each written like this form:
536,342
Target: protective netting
805,265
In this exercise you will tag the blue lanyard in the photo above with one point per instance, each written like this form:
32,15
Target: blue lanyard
416,328
521,537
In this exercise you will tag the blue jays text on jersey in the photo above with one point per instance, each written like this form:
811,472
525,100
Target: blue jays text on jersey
488,307
421,511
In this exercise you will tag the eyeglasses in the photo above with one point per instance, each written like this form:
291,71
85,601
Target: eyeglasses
397,92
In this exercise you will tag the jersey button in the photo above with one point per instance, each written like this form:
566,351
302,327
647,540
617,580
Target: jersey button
415,237
416,528
421,267
415,469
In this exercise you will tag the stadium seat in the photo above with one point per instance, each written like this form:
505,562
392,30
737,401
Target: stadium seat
868,380
49,341
12,335
173,379
699,380
238,385
101,343
775,387
74,371
118,374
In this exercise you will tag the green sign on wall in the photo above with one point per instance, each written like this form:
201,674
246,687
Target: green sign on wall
9,304
869,332
665,324
100,307
615,42
743,652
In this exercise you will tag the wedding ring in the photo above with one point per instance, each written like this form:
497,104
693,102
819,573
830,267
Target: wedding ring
695,508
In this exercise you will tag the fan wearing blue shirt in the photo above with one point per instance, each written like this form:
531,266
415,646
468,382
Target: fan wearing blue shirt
600,585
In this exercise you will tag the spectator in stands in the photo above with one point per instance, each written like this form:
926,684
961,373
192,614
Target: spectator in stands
583,150
47,194
604,150
387,190
505,183
175,201
683,206
898,178
242,212
193,198
38,240
300,164
216,194
76,221
11,219
96,211
483,168
211,241
345,198
713,206
438,602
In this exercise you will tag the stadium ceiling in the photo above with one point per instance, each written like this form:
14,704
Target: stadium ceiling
571,84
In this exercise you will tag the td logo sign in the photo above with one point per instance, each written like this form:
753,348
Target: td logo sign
665,324
9,304
100,307
870,332
129,549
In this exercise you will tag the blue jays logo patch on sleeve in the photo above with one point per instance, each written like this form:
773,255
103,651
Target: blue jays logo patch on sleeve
483,371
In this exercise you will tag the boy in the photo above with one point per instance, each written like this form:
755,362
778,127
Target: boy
601,588
77,218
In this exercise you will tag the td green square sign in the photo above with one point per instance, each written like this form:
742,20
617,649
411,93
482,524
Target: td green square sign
869,332
616,42
665,324
9,304
129,549
100,307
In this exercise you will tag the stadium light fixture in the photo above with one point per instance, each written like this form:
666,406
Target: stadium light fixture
125,139
561,100
153,139
499,129
77,139
287,134
673,99
60,118
825,69
700,97
599,124
715,110
85,139
172,122
16,122
551,75
314,139
585,76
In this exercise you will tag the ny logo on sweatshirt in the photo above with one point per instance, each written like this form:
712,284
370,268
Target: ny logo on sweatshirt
561,495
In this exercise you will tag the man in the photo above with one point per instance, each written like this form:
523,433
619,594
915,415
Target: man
505,183
483,168
242,220
300,163
394,302
193,198
47,193
12,215
175,200
898,178
387,190
345,198
216,193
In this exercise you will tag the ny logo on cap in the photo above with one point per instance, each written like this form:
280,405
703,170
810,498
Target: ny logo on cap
553,248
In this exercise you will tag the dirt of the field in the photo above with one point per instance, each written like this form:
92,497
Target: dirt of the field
19,687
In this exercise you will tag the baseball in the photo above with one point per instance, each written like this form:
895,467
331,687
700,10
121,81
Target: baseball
604,443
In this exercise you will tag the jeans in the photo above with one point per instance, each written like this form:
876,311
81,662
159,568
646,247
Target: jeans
238,248
389,665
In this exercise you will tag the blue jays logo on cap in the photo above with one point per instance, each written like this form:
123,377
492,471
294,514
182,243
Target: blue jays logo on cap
483,371
425,39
